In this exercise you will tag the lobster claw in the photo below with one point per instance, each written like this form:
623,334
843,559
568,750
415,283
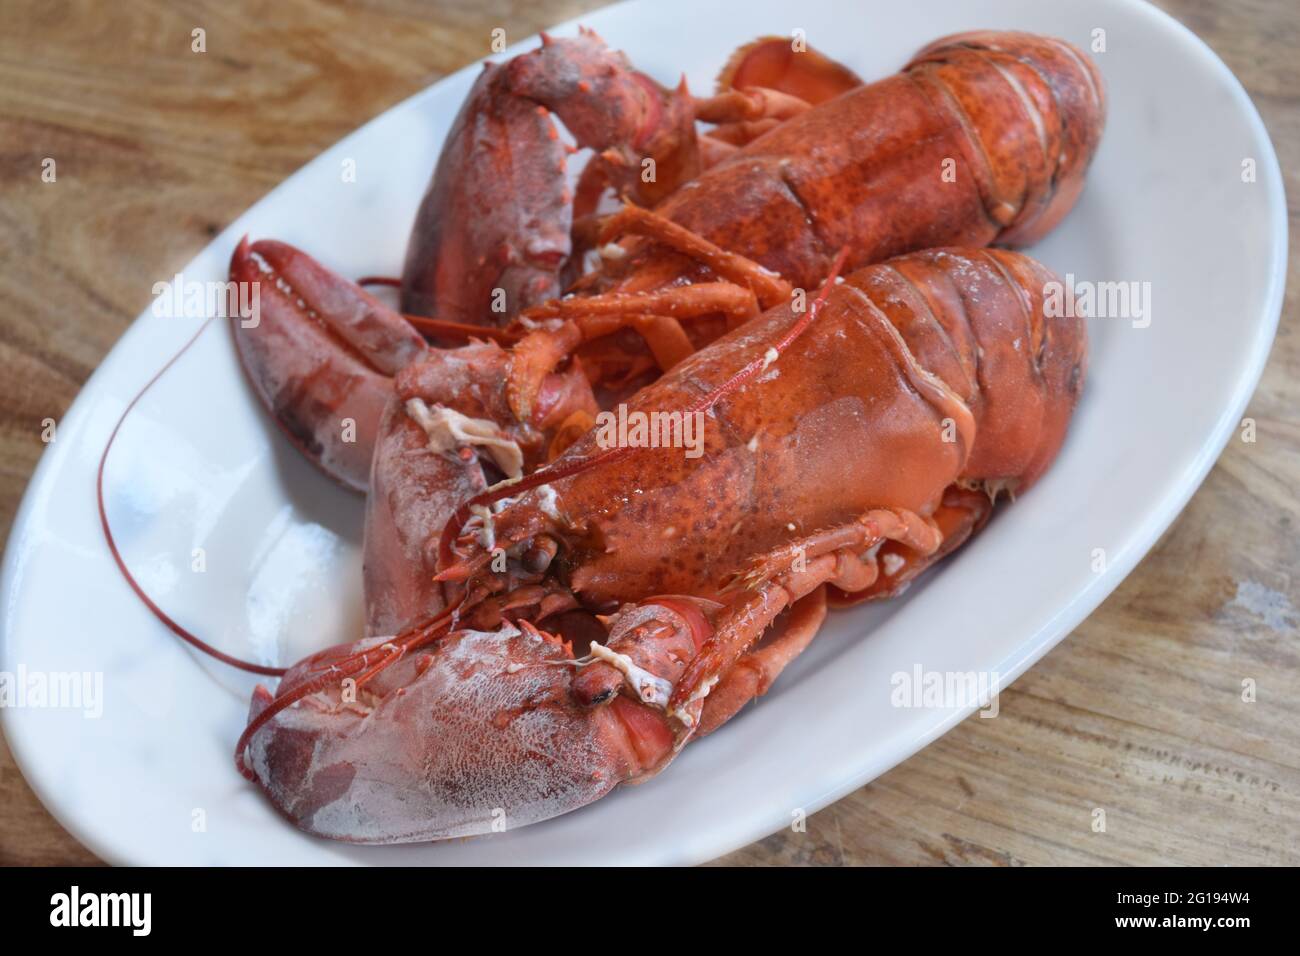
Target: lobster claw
320,354
492,235
478,733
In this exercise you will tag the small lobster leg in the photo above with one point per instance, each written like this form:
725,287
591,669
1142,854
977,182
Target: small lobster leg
844,556
320,355
744,288
671,652
960,514
538,353
753,674
686,301
769,287
498,212
751,104
744,115
764,83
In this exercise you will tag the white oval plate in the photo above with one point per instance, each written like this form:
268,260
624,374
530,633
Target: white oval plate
198,466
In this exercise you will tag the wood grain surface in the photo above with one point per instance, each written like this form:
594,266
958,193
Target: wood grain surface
1138,712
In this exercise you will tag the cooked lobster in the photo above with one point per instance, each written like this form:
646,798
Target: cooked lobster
548,617
614,604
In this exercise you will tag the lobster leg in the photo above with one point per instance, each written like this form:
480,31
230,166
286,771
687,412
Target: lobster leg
770,288
843,556
753,674
749,104
746,287
960,514
686,301
654,314
745,115
738,134
651,641
762,84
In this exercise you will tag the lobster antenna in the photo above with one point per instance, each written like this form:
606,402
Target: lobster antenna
797,329
191,639
428,326
562,469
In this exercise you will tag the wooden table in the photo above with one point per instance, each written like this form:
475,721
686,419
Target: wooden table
1138,712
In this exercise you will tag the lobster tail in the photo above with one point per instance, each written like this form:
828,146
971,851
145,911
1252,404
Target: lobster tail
1060,364
983,138
991,81
977,319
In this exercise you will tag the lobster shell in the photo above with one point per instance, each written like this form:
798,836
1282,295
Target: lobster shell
983,138
852,417
479,726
